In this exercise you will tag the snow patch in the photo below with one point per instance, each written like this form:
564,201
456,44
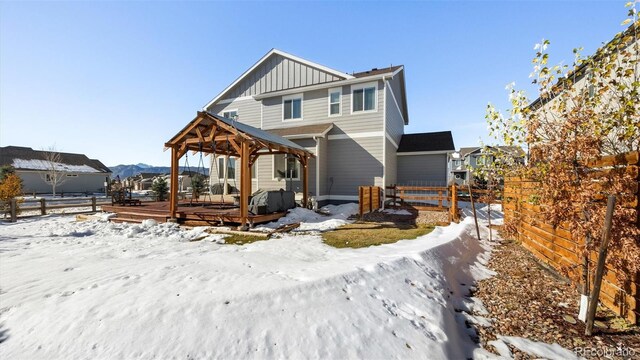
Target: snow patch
37,164
544,350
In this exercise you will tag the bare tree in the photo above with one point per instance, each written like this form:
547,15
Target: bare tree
54,172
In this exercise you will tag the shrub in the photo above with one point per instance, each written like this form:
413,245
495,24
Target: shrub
10,187
160,188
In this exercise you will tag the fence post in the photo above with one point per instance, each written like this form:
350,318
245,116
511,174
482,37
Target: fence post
370,198
454,202
93,203
13,209
602,256
360,198
43,207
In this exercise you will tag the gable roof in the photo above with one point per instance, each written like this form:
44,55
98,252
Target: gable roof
262,60
25,158
376,71
432,141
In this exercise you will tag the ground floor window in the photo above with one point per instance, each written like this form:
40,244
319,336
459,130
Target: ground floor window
286,167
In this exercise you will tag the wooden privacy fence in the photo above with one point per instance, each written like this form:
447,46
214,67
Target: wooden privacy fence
42,205
369,199
558,248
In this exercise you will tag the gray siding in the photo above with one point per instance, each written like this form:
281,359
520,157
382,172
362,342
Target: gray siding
396,87
84,182
391,164
265,172
352,163
394,122
249,111
324,165
279,73
315,110
422,169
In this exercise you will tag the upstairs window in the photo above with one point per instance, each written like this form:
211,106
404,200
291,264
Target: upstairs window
364,98
335,99
292,107
230,114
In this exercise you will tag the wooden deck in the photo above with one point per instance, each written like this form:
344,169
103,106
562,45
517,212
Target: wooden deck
201,214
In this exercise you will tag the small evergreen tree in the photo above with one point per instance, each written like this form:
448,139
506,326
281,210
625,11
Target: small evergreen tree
197,186
160,188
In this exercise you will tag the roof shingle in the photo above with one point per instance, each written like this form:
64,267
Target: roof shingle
433,141
25,158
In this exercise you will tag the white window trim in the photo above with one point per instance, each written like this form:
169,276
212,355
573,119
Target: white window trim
229,110
292,97
364,86
329,91
273,169
224,158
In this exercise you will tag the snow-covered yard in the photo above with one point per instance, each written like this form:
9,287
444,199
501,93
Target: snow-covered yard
100,290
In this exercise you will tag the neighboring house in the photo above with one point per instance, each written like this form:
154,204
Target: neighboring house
423,159
81,174
141,181
464,162
353,123
184,179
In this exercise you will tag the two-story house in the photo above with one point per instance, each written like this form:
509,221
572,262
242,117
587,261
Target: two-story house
353,123
464,162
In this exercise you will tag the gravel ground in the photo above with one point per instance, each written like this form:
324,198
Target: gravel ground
527,300
416,217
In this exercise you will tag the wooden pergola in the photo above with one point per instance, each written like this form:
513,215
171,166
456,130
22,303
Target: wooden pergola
213,134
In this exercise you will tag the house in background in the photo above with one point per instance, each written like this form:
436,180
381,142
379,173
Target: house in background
353,123
464,162
81,174
423,158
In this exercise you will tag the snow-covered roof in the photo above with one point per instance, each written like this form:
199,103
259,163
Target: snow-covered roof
25,158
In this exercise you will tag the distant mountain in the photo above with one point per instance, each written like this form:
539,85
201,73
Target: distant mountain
124,171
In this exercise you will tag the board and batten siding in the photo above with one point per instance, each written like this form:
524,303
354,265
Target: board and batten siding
429,169
279,73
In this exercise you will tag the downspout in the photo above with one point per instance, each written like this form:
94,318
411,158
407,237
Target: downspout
384,140
315,203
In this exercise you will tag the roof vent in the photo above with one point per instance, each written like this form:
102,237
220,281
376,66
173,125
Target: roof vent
374,69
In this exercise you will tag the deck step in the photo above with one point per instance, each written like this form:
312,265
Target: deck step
122,220
141,216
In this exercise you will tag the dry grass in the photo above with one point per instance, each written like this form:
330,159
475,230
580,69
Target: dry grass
363,234
236,239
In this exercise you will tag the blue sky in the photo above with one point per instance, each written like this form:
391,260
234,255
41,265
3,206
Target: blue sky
115,80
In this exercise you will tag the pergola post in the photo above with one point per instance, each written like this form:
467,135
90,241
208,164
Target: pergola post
173,200
305,179
245,173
